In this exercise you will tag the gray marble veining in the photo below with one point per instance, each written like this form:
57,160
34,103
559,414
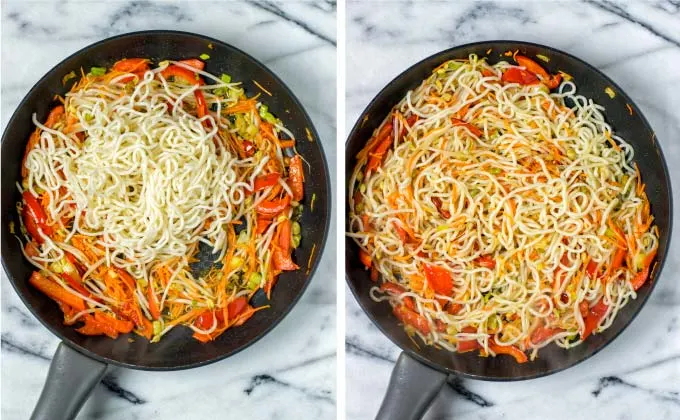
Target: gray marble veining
291,371
638,45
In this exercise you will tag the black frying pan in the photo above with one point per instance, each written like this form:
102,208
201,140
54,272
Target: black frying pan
80,361
421,371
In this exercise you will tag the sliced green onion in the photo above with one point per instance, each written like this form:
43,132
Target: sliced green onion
495,171
98,71
296,228
254,281
204,56
296,241
225,78
269,118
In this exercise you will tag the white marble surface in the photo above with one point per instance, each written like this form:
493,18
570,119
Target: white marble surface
291,372
636,44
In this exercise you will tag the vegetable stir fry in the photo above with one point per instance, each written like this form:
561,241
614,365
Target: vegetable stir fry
498,212
137,169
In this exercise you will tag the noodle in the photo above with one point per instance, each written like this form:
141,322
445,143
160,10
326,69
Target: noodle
500,216
139,166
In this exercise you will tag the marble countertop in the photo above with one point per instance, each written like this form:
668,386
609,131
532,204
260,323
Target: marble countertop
636,44
290,371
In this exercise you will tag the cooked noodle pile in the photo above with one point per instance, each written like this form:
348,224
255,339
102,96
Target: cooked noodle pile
137,168
499,215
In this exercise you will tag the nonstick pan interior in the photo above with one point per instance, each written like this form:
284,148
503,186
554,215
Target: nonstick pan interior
177,349
591,83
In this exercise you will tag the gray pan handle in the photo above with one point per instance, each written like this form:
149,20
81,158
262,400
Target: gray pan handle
412,388
71,379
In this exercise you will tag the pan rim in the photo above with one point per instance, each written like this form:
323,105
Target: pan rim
662,259
321,245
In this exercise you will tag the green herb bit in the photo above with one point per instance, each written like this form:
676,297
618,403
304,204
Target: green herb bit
225,78
204,56
254,281
98,71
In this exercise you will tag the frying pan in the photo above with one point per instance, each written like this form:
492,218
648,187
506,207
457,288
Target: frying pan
422,370
80,361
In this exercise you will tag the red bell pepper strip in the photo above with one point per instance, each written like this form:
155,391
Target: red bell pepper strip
396,290
205,320
618,259
122,326
373,142
201,106
412,119
440,279
533,67
468,345
453,308
281,256
273,207
591,269
376,156
460,123
403,236
131,65
513,351
486,261
248,148
516,75
75,284
365,258
542,333
127,278
283,261
94,327
297,177
194,62
54,116
391,288
181,73
236,306
35,212
76,264
285,236
374,274
262,225
193,79
136,66
438,204
594,317
31,225
640,278
412,318
55,291
265,181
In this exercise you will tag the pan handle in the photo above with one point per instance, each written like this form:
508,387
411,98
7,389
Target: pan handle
71,379
412,388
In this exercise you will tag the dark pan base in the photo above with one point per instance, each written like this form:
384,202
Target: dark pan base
177,350
635,129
